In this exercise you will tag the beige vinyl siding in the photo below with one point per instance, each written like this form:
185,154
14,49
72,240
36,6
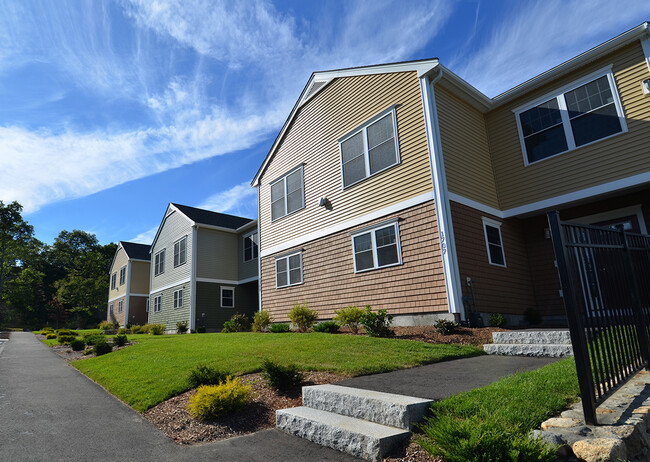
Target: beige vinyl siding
618,157
463,134
140,273
116,316
216,256
168,315
312,140
119,261
174,227
249,268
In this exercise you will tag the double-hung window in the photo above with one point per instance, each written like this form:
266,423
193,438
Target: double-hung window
122,275
180,252
369,149
288,194
178,298
113,281
146,307
251,246
376,247
120,306
581,114
159,263
288,270
494,242
227,297
157,304
111,308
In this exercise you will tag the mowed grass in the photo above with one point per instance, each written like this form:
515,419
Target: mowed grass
156,368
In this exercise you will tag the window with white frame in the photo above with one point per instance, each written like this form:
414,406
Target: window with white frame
159,263
584,112
288,194
146,305
288,270
180,252
178,298
120,306
157,304
376,247
494,242
227,297
110,307
369,149
113,281
122,275
251,246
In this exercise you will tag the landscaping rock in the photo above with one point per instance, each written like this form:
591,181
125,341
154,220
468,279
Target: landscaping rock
600,450
559,422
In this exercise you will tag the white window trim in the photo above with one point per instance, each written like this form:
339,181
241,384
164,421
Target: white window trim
371,229
363,128
123,269
497,225
161,262
286,256
120,306
146,306
222,288
566,123
114,281
178,242
286,203
110,307
157,303
178,296
243,248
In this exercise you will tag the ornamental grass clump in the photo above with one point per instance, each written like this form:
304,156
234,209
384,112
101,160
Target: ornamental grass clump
213,401
349,317
302,316
261,321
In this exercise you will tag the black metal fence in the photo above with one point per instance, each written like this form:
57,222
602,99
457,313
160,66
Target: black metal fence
605,278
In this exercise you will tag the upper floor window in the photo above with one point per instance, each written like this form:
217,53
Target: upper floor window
376,247
369,149
251,244
180,252
287,194
583,113
288,270
113,281
159,263
494,242
122,275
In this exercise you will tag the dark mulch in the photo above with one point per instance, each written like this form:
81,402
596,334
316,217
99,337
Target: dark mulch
462,335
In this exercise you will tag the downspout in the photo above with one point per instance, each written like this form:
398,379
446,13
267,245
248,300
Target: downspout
441,198
259,253
128,292
193,280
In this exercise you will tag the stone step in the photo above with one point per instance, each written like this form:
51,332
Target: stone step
529,349
382,408
553,337
359,438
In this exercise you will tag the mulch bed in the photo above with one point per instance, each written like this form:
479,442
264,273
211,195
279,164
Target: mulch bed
462,335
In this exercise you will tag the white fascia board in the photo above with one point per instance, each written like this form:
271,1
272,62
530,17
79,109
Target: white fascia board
116,298
247,226
138,295
169,286
466,91
168,212
119,246
475,205
645,44
140,259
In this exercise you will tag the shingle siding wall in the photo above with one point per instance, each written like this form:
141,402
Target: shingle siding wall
175,227
330,283
217,256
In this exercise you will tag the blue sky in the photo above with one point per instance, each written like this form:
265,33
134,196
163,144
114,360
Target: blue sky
111,109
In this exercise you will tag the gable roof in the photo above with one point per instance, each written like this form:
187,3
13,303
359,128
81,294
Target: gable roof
207,217
136,251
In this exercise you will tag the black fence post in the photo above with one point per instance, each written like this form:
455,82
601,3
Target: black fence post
576,324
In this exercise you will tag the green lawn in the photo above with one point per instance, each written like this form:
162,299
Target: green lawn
156,368
53,341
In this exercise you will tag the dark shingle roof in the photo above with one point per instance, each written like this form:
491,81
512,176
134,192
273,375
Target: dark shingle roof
137,251
206,217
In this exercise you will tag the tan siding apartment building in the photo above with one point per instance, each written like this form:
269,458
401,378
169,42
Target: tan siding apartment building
129,284
403,187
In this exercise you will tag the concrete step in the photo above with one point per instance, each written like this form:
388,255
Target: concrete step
553,337
382,408
529,349
359,438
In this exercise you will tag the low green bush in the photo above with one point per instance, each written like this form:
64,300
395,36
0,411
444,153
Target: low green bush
66,332
102,348
106,325
302,316
94,338
122,331
119,340
279,328
51,336
181,327
213,401
47,330
238,323
349,317
261,321
328,327
203,374
281,377
63,339
136,329
200,330
156,329
497,320
377,324
77,344
445,327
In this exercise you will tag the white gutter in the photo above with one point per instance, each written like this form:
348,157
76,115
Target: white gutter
441,199
259,253
193,281
128,291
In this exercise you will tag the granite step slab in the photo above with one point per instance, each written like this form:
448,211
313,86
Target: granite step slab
529,349
552,337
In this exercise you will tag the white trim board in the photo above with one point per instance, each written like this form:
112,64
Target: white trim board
416,200
227,281
169,286
110,300
138,295
614,214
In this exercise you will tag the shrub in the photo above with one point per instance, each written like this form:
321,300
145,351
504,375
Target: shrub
66,332
145,329
213,401
203,374
261,321
101,348
328,327
532,316
65,338
77,344
497,320
279,328
106,325
349,317
181,327
136,329
122,331
119,340
281,377
302,316
156,329
377,324
47,330
93,339
238,323
200,330
50,336
445,327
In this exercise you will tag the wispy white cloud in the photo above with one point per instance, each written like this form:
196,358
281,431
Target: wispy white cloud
539,35
145,237
239,200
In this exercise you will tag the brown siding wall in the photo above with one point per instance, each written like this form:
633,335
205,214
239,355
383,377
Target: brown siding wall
601,162
416,286
496,289
342,106
138,310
